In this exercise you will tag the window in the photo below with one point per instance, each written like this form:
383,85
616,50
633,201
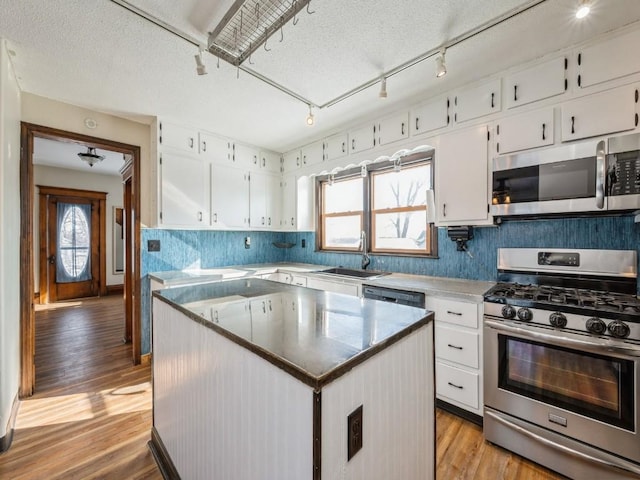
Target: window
388,204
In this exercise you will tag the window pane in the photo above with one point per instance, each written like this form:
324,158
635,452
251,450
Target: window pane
401,231
406,188
343,196
342,232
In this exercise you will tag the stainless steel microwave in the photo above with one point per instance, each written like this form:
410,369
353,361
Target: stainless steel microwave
592,176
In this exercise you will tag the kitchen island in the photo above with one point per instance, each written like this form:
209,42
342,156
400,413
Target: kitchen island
255,379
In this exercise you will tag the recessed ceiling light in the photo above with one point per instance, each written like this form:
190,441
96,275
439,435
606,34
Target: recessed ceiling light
584,7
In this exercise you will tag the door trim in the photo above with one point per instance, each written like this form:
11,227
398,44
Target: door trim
44,192
28,132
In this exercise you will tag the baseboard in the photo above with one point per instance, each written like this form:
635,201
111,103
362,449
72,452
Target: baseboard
460,412
5,442
161,456
115,289
145,359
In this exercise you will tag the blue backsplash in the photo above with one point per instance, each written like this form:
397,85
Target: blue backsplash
182,249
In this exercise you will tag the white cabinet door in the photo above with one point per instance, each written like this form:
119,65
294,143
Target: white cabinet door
274,201
184,190
529,130
215,148
288,206
392,129
610,59
313,153
536,83
179,137
462,176
477,101
601,113
362,139
229,197
336,146
264,196
291,161
270,161
430,116
245,156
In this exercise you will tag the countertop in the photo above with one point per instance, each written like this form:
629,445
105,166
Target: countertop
314,335
471,290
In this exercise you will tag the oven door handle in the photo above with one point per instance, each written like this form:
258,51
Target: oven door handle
593,344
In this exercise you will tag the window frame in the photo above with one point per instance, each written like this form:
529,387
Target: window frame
369,214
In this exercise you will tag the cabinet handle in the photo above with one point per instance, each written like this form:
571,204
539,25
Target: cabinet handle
444,209
492,98
353,144
215,316
190,142
269,221
264,307
264,162
544,136
460,387
515,93
402,129
255,160
233,157
292,221
204,146
298,161
199,216
262,220
215,218
573,124
343,147
270,309
454,346
449,312
417,120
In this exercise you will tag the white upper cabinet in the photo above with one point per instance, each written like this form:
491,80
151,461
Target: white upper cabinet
229,197
606,112
393,128
313,153
528,130
536,83
362,139
179,137
245,156
462,178
477,101
430,116
215,148
184,190
265,199
613,58
336,146
289,199
291,161
270,161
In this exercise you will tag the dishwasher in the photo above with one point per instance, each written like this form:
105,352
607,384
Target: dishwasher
401,297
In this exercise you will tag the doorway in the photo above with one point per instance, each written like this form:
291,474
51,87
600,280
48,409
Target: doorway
75,251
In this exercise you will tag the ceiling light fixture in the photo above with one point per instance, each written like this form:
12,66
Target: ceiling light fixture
441,67
310,117
383,88
90,156
584,7
201,68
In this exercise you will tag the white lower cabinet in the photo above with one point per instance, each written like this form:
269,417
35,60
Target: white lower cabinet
458,348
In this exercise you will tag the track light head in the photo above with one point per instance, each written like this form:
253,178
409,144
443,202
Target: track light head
310,117
383,88
584,7
441,67
201,68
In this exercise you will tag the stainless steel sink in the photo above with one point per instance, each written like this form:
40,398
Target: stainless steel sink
354,272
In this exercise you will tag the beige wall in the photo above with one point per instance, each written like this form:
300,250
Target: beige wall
62,177
9,238
51,113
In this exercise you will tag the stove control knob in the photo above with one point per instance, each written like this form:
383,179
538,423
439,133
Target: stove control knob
525,314
597,326
508,311
558,320
619,329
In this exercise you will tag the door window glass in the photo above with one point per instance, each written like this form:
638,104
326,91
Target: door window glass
74,243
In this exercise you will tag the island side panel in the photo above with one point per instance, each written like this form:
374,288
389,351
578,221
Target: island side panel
222,411
396,391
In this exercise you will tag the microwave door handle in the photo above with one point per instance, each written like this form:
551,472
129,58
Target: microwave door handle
600,174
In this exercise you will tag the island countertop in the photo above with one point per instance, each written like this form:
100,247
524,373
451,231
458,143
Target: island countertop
315,336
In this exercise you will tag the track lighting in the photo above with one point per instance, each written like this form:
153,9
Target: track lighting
201,68
310,118
383,88
441,67
584,7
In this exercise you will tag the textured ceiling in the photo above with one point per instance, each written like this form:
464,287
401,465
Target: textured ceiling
99,55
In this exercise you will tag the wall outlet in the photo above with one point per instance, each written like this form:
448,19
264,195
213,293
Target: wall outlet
247,242
303,243
354,432
153,245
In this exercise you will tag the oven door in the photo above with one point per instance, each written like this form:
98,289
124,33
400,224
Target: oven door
583,387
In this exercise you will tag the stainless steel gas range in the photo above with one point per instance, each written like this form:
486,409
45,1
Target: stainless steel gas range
562,360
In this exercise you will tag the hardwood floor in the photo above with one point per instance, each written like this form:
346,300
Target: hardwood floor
91,415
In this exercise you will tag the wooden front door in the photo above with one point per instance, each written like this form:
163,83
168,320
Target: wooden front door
71,227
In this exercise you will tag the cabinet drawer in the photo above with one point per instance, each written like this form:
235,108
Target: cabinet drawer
457,346
297,280
454,311
457,384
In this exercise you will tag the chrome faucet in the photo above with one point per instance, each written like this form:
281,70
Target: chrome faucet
365,256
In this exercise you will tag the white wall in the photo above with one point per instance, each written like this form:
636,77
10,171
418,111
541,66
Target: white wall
9,237
51,113
63,177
